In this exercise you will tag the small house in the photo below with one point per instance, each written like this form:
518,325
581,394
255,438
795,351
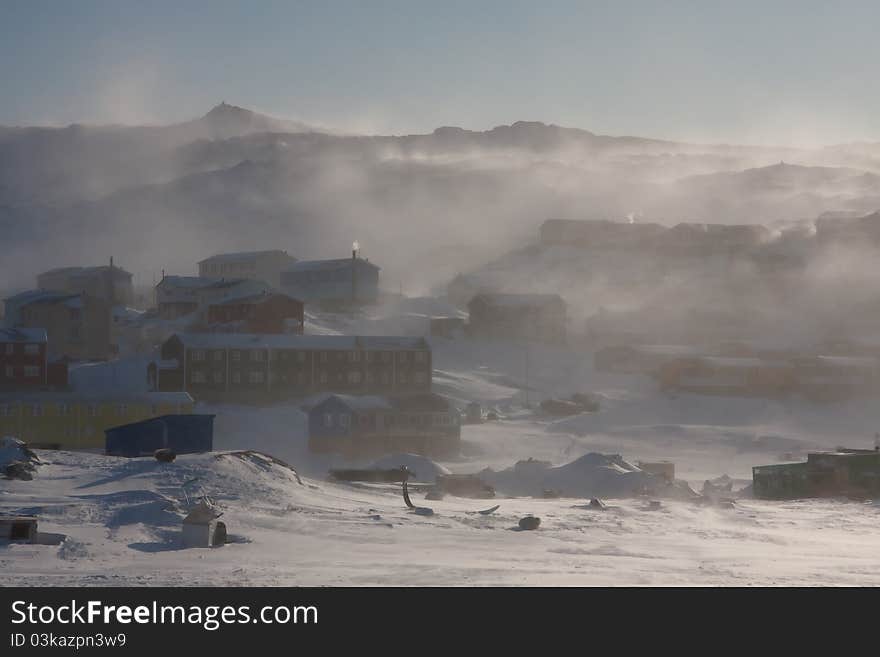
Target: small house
724,375
424,423
200,526
539,317
184,434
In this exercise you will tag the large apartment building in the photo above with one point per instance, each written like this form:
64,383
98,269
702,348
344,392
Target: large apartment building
257,367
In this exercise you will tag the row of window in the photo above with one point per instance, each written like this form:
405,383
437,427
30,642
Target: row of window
92,410
257,355
344,420
30,372
29,349
258,376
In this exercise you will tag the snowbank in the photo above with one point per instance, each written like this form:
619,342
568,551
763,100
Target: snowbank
424,469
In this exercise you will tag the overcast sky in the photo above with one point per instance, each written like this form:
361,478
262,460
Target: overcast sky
783,72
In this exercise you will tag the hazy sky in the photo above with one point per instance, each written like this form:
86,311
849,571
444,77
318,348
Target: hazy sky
784,72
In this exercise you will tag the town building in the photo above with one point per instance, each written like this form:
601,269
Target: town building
179,296
641,359
332,282
77,325
107,282
728,376
257,313
599,234
854,472
72,420
24,358
188,433
263,367
539,317
359,425
256,265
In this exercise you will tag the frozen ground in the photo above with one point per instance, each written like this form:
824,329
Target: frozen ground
122,517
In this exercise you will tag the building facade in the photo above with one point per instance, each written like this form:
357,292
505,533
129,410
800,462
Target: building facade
72,420
266,367
78,326
257,313
24,359
258,265
360,425
540,317
110,283
341,281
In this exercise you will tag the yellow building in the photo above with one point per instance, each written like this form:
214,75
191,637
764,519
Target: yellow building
77,420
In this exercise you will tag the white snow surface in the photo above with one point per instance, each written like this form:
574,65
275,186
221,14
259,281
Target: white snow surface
122,516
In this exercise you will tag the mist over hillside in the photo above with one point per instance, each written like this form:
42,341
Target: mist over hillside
423,207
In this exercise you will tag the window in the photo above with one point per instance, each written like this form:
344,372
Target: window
419,377
32,349
197,376
323,377
37,410
93,410
5,410
236,377
368,356
89,431
10,372
421,356
385,377
354,356
386,357
255,377
301,378
199,354
218,377
402,377
73,333
344,420
301,356
122,409
63,409
354,377
370,378
10,348
31,371
364,420
402,356
323,356
257,355
236,355
218,355
328,419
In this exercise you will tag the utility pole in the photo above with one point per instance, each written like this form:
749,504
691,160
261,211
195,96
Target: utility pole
354,251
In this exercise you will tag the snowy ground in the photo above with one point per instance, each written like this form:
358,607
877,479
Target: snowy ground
122,517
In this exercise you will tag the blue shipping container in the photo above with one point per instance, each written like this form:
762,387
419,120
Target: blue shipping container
185,434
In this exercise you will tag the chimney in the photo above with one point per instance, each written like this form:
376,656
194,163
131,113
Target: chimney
354,252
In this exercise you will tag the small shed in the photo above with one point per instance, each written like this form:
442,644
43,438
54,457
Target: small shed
200,526
184,434
18,528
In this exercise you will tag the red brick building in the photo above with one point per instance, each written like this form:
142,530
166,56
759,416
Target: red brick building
258,313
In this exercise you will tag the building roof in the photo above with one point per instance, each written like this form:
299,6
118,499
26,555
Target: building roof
97,397
295,341
243,255
327,265
87,271
45,296
429,401
518,300
23,335
253,298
